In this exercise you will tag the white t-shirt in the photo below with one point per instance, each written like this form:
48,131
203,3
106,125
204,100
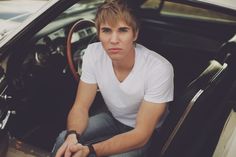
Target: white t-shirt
151,79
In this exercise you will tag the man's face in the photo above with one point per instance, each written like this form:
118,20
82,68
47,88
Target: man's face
117,40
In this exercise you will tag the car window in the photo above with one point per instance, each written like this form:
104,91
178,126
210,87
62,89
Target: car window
82,6
15,12
71,15
187,11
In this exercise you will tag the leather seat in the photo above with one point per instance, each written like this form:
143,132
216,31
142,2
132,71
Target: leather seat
197,116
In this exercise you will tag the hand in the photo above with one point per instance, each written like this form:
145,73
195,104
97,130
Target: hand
79,150
64,150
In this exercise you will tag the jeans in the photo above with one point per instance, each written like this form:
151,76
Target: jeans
101,127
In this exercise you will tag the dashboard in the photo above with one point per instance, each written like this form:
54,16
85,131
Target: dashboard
83,33
45,56
54,44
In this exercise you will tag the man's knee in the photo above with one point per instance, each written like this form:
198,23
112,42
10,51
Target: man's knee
59,141
61,137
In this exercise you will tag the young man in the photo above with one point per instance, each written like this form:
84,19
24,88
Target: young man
135,82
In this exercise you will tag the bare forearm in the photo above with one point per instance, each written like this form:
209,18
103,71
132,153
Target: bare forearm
77,119
121,143
78,116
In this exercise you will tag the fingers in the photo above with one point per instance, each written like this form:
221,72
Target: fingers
64,150
67,152
78,154
72,148
61,150
79,150
76,148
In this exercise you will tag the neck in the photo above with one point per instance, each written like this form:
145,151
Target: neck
126,64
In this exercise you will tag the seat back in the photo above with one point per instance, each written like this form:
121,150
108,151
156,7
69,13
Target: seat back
185,130
197,116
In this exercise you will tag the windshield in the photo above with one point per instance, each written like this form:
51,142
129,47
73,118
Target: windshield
224,3
15,12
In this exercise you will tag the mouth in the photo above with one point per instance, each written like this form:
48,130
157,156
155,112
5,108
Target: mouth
114,50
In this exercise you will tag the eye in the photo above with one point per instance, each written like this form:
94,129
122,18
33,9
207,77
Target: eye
123,29
106,30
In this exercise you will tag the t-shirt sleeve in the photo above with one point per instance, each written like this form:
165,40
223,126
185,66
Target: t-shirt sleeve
88,66
160,84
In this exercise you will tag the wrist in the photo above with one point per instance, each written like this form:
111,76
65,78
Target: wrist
91,151
72,132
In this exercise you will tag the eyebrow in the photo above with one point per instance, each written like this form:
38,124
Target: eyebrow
124,28
105,28
121,28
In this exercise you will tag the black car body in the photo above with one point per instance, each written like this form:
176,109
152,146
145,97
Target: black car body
38,85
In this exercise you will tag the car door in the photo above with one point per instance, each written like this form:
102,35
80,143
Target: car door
188,34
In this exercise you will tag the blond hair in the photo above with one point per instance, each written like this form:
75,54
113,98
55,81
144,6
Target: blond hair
111,11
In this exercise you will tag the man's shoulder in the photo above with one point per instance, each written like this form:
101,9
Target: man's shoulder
94,50
152,58
95,46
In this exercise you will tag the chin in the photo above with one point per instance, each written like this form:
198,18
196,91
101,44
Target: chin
116,57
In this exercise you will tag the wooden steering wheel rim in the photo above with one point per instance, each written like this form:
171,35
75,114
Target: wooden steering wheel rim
77,25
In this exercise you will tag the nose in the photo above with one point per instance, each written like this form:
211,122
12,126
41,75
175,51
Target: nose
114,38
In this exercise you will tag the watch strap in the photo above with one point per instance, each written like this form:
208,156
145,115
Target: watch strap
92,152
69,132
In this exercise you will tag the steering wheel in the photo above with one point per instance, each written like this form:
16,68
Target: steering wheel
84,31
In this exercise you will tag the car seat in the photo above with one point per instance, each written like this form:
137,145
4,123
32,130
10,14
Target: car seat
197,116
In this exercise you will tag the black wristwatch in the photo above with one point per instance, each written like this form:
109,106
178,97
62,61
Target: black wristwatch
92,152
72,132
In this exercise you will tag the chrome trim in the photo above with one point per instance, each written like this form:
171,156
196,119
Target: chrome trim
225,65
180,122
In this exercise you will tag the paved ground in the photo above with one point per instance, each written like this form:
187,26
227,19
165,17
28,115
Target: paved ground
20,149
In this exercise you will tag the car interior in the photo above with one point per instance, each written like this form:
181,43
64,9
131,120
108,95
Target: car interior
43,88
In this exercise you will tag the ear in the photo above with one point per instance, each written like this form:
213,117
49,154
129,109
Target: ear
136,35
